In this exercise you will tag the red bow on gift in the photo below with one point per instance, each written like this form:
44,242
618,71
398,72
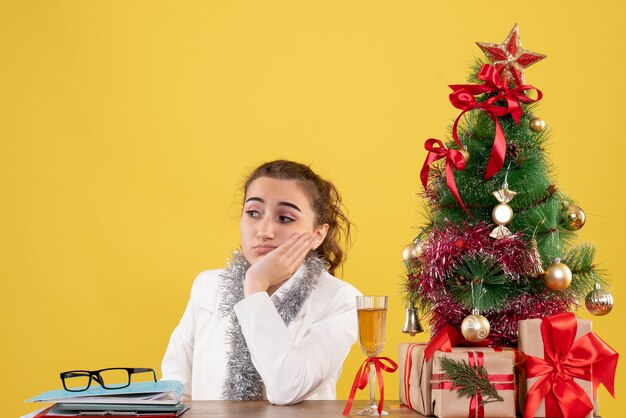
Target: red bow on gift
447,338
454,159
463,98
588,358
362,377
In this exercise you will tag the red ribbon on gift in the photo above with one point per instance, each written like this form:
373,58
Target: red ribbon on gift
454,159
499,381
447,338
565,359
476,408
406,379
463,98
362,377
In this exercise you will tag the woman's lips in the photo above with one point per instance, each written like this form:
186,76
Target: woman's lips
263,249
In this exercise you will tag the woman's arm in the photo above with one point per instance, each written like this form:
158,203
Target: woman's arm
177,361
292,372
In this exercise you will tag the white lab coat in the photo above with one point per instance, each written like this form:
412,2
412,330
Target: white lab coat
301,361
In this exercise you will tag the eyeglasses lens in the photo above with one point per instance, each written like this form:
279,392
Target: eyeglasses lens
76,381
114,378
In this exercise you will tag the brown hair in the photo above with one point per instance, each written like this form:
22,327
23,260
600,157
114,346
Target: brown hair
325,200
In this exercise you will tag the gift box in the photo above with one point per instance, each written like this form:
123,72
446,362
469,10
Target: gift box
415,374
565,363
447,400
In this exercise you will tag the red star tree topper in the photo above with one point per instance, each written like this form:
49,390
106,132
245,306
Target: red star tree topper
509,58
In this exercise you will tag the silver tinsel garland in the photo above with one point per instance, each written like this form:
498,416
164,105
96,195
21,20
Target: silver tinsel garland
242,380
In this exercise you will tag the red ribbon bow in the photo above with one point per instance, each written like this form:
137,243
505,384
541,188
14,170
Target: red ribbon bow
565,359
447,338
454,159
463,98
362,377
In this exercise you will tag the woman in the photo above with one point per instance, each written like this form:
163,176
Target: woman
275,324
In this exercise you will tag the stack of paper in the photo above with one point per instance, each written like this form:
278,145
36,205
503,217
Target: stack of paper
144,399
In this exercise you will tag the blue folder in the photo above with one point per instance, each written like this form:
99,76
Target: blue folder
164,392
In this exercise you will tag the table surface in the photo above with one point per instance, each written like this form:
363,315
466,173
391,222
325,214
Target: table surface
305,409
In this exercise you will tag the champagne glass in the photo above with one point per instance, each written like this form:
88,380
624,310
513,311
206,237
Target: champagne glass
372,312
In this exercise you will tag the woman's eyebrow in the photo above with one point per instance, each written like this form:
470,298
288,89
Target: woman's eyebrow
288,204
291,205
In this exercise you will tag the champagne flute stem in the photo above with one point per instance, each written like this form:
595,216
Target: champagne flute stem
372,386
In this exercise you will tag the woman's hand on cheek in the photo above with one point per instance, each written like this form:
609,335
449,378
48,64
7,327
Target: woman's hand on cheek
278,265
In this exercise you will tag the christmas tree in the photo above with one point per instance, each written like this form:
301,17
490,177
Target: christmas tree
498,246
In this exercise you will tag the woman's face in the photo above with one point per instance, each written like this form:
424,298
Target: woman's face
273,211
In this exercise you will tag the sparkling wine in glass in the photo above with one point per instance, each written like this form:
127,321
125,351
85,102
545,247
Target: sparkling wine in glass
372,313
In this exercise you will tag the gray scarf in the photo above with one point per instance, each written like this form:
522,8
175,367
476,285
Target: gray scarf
242,380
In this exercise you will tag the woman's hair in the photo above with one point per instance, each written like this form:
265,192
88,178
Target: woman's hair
325,200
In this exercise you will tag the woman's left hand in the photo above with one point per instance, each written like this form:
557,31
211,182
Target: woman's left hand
278,265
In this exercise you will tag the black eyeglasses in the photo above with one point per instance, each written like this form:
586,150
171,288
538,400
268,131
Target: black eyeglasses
111,378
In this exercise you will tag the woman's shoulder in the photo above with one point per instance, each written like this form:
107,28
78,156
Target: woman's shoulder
331,286
206,285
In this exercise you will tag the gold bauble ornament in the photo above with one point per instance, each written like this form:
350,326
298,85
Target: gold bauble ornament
537,124
412,251
599,302
574,217
557,276
475,327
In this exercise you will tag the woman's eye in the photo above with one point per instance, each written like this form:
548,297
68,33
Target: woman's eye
285,219
253,213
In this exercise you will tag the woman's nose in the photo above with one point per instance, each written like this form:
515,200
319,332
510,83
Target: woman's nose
265,229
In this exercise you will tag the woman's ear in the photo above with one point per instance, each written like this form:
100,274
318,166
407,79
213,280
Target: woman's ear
319,234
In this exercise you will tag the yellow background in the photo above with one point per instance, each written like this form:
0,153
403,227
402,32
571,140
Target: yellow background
126,128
